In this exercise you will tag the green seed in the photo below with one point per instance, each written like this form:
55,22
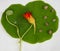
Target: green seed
9,12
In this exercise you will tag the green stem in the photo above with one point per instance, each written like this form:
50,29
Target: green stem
20,44
26,31
18,32
34,28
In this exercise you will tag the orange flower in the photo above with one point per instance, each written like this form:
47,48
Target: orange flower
30,19
27,15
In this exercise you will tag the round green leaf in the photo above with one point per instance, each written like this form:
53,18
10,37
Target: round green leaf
45,17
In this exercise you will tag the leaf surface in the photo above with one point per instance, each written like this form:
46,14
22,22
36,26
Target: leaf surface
42,25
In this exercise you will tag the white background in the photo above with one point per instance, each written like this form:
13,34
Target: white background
7,43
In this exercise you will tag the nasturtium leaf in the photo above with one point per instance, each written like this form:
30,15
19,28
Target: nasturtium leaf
45,17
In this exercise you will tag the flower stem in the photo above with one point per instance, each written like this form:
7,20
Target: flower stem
20,44
17,31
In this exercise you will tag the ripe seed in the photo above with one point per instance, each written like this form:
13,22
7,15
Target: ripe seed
46,7
40,30
50,32
54,20
45,17
46,24
52,10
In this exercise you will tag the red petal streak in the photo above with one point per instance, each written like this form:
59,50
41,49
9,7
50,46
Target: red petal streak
27,15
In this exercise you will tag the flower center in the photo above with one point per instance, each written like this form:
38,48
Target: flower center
27,15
